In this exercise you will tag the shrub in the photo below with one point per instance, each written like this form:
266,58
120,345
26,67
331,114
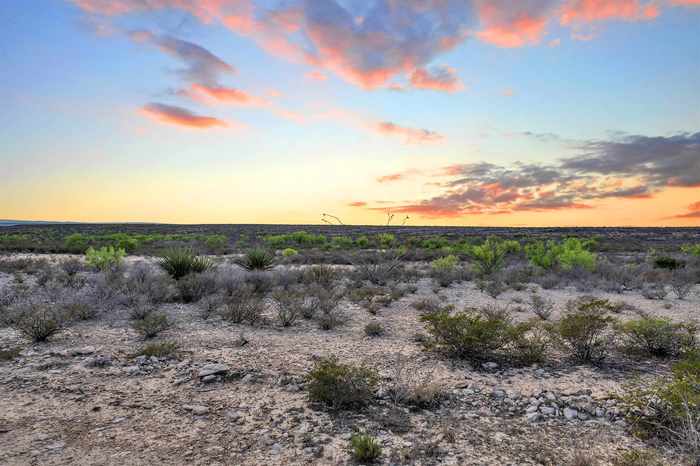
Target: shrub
289,304
38,322
256,259
299,238
427,305
195,286
183,261
323,275
160,349
638,458
362,242
289,252
151,324
10,353
143,283
341,386
667,262
379,268
444,270
682,281
341,242
365,449
657,336
385,240
79,309
669,408
242,304
582,329
104,258
655,291
489,257
541,307
374,329
469,334
216,242
691,249
572,252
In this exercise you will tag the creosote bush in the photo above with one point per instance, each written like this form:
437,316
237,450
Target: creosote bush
489,257
341,386
104,258
668,409
583,329
242,304
159,349
657,336
181,262
257,259
365,448
151,324
568,254
374,329
638,458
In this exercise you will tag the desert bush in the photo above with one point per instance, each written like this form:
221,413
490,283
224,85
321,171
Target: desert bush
517,276
242,304
657,336
72,266
618,278
289,304
541,307
145,284
682,281
183,261
668,409
530,342
38,321
365,449
570,253
469,334
151,324
10,353
489,257
412,387
323,275
256,259
341,386
428,305
378,268
374,329
445,270
582,330
79,308
638,458
667,262
297,238
104,258
262,282
492,286
160,349
195,286
691,249
655,291
289,252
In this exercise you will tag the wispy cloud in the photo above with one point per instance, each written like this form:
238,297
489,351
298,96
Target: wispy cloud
692,212
179,116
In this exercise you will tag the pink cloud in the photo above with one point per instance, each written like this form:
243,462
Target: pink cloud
442,78
411,135
316,76
179,116
225,95
589,11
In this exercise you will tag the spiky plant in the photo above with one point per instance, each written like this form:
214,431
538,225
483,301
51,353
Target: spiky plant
183,261
256,259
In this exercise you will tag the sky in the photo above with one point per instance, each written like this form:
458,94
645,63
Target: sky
428,112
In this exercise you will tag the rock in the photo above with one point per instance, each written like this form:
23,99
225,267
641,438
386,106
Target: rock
248,379
490,366
534,417
56,446
98,361
583,416
84,351
197,410
498,393
209,378
570,413
599,412
548,410
531,409
213,369
141,360
132,370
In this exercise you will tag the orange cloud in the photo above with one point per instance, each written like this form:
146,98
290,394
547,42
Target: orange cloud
225,94
439,79
316,76
179,116
411,135
588,11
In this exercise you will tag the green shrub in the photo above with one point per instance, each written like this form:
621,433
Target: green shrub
489,257
657,336
691,249
447,263
195,286
297,238
582,330
216,242
571,253
668,263
104,258
289,252
151,324
669,408
256,259
374,329
638,458
362,242
341,242
323,275
469,334
180,262
365,449
160,349
385,240
341,386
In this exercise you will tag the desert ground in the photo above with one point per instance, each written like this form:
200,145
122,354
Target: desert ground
118,361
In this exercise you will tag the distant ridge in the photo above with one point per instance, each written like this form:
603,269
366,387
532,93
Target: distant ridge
9,223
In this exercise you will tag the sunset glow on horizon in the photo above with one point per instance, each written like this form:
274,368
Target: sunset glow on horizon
449,112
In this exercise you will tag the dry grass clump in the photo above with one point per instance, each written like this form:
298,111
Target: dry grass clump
341,386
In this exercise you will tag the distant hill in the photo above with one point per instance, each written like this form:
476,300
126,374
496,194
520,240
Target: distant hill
9,223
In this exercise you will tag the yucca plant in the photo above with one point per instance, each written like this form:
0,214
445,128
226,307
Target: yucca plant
183,261
256,259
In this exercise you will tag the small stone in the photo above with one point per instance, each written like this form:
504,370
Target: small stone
498,393
56,446
197,410
531,409
84,351
534,417
141,360
213,369
583,416
490,366
548,410
209,378
98,361
570,413
599,412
